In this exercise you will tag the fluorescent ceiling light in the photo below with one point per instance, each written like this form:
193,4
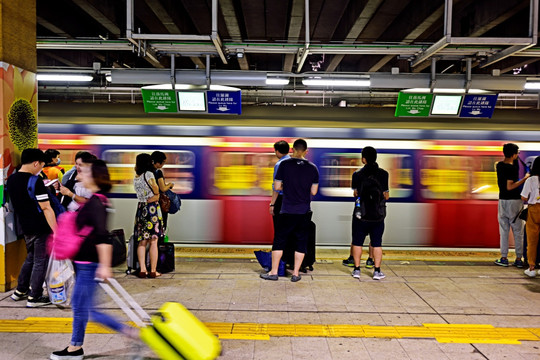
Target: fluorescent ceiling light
532,86
336,82
277,81
191,87
445,91
64,78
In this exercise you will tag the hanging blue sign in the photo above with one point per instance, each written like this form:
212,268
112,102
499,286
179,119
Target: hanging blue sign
478,106
224,102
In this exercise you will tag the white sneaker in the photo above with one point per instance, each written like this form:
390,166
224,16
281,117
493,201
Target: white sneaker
530,273
378,275
356,274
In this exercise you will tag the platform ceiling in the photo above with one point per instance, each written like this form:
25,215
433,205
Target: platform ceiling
345,36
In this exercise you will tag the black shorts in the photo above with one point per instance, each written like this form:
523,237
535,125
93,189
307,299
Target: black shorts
297,224
360,229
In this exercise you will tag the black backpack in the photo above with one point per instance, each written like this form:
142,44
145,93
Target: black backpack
372,201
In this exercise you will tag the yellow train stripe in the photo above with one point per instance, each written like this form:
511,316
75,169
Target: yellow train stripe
444,333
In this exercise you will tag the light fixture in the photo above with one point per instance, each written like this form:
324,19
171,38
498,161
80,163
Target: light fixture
64,78
336,82
532,85
277,81
445,91
239,53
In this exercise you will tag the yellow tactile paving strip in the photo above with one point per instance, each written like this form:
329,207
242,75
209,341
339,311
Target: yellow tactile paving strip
332,254
455,333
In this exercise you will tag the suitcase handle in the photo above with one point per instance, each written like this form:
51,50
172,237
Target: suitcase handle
142,318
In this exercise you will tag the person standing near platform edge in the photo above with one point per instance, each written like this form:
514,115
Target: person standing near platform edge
510,203
299,180
281,149
370,186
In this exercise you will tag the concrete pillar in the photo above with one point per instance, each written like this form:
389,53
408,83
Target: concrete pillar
18,117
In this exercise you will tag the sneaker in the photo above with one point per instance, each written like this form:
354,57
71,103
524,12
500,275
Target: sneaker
370,263
295,278
530,273
17,295
356,274
37,302
348,262
378,275
66,355
518,263
501,262
269,277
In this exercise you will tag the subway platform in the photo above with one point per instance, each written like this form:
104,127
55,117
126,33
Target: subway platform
432,304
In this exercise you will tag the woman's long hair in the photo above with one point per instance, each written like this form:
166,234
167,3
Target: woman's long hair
143,163
100,174
535,171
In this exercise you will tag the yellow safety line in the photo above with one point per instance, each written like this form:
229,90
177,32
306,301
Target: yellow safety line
454,333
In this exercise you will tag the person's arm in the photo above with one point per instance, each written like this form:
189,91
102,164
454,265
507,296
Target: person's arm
49,213
164,187
523,198
511,185
314,189
66,192
273,202
278,185
105,256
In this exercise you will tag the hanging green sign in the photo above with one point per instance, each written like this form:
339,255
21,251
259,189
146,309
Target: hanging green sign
157,101
413,104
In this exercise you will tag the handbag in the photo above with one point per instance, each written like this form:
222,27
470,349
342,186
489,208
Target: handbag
524,213
164,202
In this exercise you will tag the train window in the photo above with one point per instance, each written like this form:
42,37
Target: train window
242,173
459,177
178,169
445,176
337,169
484,178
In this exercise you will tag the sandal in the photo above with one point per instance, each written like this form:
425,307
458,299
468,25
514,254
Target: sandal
142,274
153,274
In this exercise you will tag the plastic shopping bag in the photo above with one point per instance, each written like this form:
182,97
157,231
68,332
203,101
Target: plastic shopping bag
60,281
265,259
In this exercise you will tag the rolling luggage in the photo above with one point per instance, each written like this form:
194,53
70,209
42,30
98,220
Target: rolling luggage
165,258
173,333
309,258
132,261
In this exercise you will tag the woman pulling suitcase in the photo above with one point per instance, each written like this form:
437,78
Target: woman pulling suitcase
93,260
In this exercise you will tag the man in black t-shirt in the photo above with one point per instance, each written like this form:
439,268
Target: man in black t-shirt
299,180
36,219
370,184
510,204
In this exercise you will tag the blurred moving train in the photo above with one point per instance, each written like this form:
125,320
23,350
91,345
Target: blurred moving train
443,184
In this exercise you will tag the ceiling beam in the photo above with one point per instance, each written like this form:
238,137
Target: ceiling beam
52,28
231,22
359,25
59,58
99,17
163,16
518,65
295,27
412,36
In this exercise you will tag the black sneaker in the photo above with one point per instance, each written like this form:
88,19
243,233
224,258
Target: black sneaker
348,262
37,302
370,263
17,295
519,264
66,355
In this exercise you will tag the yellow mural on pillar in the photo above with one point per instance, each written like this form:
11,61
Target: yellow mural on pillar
18,111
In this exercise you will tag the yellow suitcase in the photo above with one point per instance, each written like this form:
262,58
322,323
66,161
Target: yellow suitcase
173,332
176,333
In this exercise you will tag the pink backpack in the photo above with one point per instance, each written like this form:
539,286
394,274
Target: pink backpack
67,239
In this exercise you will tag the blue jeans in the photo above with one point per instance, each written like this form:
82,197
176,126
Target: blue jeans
83,306
33,271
